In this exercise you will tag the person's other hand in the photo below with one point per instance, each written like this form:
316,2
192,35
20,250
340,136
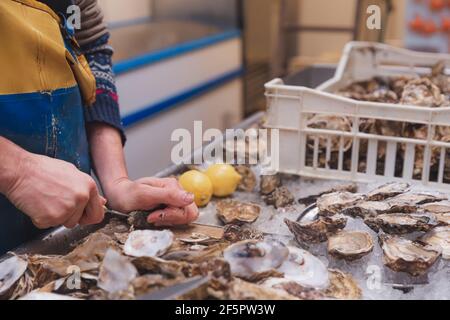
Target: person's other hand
54,193
148,193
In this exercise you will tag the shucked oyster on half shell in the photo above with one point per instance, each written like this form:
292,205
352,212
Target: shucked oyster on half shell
305,269
333,203
11,270
316,231
255,260
148,243
387,190
404,255
399,223
350,245
231,211
440,237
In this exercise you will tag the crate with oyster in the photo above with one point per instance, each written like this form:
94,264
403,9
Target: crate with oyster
385,116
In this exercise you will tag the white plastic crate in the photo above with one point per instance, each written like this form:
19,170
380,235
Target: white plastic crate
364,60
302,147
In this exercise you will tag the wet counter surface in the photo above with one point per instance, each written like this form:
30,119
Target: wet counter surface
136,40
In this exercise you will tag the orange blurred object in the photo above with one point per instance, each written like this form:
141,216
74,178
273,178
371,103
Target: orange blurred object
430,27
446,24
417,24
437,5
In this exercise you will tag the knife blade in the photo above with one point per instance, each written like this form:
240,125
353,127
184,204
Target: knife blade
177,290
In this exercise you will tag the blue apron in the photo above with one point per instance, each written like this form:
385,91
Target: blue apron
50,124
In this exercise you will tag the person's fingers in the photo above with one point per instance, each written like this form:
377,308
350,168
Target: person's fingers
95,212
169,217
74,219
149,197
192,213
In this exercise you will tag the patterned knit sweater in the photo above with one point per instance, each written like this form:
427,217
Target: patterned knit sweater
93,38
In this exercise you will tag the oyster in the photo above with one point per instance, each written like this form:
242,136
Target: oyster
11,270
248,181
422,92
350,245
437,207
404,255
333,203
294,289
148,243
388,190
367,208
439,236
235,233
409,202
280,198
330,122
340,188
268,184
116,273
343,286
443,218
399,223
243,290
316,231
255,260
230,211
198,239
305,269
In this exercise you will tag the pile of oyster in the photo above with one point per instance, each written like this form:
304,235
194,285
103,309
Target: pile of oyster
413,227
432,90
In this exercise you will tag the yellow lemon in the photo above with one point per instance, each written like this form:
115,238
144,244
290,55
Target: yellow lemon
199,185
224,178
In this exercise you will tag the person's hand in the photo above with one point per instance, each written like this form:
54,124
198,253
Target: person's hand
148,193
54,193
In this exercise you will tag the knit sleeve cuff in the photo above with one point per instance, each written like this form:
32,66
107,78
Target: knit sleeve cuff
106,110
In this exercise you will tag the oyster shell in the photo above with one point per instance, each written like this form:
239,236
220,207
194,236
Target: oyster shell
350,245
367,208
343,286
116,273
333,203
248,181
11,270
410,201
437,207
198,239
235,233
439,236
305,269
340,188
399,223
330,122
268,184
230,211
404,255
422,92
148,243
443,218
243,290
255,260
294,289
280,198
388,190
316,231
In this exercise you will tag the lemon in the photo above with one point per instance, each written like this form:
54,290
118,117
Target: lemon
224,178
199,185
